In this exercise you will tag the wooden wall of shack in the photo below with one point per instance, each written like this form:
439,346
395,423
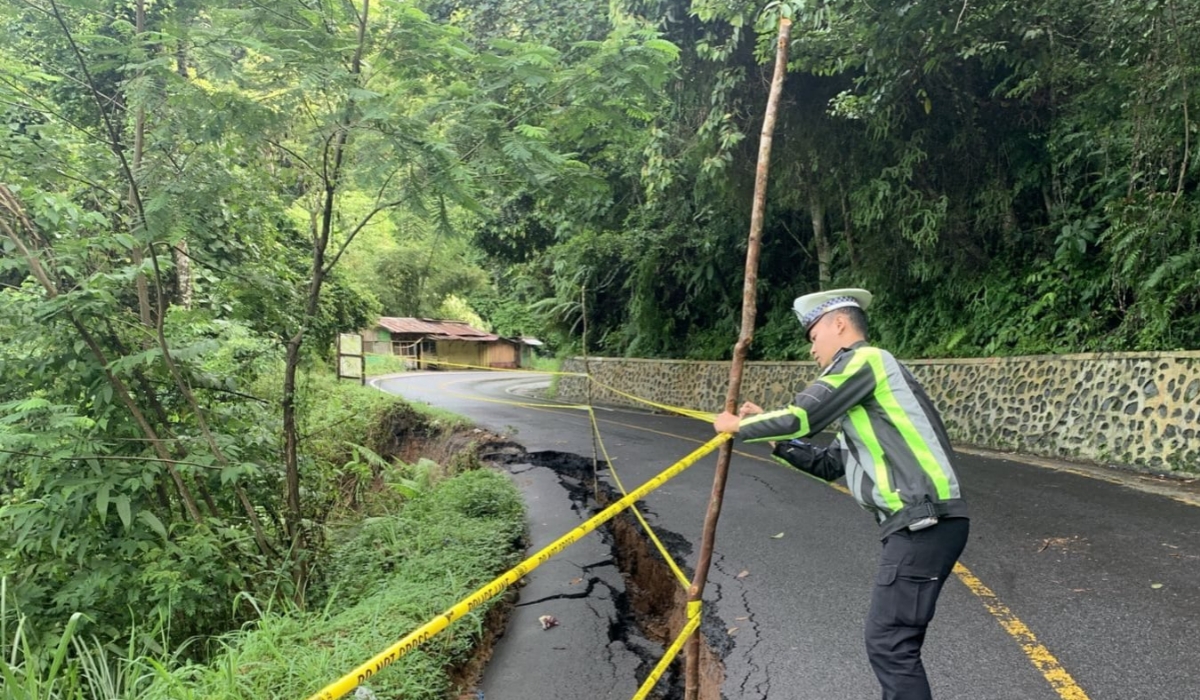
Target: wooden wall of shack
499,354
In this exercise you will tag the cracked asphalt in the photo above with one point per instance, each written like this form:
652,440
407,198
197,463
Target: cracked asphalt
1105,576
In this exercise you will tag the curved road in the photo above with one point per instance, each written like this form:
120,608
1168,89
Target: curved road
1074,586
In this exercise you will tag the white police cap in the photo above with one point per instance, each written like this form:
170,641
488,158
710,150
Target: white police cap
811,307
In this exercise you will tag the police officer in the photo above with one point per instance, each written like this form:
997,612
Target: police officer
896,457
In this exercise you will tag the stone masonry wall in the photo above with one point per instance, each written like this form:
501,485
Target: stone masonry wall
1139,409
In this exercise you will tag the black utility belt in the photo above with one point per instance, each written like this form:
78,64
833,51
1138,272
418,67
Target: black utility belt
920,516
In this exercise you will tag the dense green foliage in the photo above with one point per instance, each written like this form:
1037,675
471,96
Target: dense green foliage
85,531
1007,177
392,573
388,574
195,198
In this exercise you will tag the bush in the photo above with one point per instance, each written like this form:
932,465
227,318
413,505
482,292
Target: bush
390,575
476,495
384,364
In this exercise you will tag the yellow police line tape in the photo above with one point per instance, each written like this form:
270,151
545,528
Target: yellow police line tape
705,416
694,607
693,611
662,549
510,370
388,656
1057,676
675,569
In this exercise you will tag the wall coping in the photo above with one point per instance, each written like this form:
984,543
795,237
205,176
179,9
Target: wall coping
1075,357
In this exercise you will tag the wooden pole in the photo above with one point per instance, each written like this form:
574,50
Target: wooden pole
750,284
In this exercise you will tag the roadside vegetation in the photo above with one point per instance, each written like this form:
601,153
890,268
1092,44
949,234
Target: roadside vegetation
196,198
388,574
400,542
377,365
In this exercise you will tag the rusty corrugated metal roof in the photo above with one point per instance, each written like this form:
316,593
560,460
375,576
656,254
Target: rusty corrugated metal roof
435,329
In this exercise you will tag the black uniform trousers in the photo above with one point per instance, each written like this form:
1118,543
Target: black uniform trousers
912,569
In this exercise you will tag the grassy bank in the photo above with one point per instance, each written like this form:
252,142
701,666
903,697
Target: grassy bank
377,364
390,574
404,538
393,573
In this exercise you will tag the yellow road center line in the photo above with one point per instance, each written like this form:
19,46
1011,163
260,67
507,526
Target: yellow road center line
1059,678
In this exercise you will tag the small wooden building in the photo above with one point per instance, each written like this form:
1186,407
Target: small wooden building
428,343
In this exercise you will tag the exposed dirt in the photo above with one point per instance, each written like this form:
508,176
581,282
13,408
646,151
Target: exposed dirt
653,604
407,435
661,602
466,676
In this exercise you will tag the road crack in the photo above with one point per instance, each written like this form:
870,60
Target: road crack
650,607
752,634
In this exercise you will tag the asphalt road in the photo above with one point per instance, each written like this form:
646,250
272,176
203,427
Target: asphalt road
1075,587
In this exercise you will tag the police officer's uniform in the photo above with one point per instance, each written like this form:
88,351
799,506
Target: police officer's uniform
898,463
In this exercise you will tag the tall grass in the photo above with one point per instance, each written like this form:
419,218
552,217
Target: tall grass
71,667
389,575
393,574
546,364
377,364
550,364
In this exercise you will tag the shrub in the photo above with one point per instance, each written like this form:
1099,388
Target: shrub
390,575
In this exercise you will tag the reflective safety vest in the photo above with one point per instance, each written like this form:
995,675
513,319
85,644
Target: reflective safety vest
892,446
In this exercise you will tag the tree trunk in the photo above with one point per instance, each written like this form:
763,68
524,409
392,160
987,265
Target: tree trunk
848,230
139,137
183,263
183,272
291,445
9,203
321,235
824,250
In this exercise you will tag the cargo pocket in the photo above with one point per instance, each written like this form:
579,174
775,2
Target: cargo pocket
921,594
901,599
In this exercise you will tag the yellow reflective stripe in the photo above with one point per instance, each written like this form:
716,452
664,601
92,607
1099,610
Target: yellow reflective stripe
903,422
856,363
862,423
800,414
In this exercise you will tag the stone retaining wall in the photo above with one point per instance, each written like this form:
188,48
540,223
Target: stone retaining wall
1138,409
